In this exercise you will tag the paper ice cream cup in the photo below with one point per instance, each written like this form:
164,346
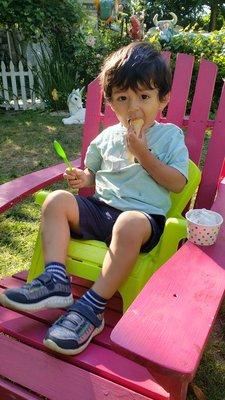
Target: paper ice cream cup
203,226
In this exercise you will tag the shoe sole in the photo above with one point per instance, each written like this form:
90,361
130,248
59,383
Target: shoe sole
72,352
51,302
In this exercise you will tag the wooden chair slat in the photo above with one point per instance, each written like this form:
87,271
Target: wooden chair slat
11,391
87,284
180,89
109,117
50,316
22,275
222,174
166,55
214,159
115,303
10,282
15,191
77,282
92,116
55,378
199,114
111,316
103,362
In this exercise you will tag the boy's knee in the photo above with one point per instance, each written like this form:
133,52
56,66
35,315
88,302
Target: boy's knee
131,225
58,200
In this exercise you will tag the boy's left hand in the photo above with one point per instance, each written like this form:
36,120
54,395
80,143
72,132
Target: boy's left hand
136,145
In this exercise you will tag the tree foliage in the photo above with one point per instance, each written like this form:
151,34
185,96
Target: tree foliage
187,11
217,10
36,19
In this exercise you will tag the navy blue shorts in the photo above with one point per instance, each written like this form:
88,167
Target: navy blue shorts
97,219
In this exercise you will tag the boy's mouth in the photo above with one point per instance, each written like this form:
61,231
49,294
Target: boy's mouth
137,124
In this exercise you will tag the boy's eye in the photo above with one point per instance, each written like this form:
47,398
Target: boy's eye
122,98
144,96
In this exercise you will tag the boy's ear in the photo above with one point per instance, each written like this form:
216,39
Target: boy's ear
165,101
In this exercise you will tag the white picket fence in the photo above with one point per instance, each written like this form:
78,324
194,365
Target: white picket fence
17,86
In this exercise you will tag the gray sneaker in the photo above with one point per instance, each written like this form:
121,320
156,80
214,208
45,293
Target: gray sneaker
72,332
43,292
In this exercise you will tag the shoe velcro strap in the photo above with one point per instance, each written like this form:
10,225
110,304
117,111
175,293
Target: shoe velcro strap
86,311
44,278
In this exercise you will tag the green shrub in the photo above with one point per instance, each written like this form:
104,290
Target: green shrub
54,77
210,46
73,63
91,49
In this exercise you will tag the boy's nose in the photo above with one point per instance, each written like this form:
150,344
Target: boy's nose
133,105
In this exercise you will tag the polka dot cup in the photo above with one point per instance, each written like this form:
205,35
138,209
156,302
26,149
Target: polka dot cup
203,226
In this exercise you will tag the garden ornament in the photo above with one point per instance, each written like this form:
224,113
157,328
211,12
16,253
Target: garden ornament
136,30
166,27
75,105
107,10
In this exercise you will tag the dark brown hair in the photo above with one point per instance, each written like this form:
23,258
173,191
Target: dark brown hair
134,66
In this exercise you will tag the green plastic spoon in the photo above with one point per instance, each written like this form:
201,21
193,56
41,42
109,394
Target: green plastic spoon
61,153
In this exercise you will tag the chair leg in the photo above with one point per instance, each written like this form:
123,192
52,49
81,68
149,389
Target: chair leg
176,386
179,391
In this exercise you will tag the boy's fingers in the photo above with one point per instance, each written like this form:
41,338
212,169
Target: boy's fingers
132,139
71,171
75,184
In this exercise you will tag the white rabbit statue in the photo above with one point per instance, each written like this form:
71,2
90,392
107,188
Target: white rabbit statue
77,112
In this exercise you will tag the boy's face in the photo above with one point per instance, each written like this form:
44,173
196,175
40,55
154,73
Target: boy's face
144,104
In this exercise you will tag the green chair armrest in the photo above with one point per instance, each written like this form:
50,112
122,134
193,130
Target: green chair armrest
39,197
175,230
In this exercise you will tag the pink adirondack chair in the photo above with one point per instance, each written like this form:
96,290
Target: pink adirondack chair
156,346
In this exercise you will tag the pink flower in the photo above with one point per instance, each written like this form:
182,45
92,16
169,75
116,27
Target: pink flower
91,41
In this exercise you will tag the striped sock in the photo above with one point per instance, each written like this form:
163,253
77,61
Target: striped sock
93,299
58,271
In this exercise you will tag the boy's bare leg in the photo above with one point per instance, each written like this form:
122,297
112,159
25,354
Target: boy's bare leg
52,288
131,230
59,213
73,332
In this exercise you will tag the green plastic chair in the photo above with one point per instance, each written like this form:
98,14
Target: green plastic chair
85,257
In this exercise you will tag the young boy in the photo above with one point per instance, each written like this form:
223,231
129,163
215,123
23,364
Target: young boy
130,202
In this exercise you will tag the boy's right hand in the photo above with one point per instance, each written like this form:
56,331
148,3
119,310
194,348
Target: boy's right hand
75,177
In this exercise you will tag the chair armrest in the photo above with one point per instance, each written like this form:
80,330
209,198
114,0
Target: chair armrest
18,189
175,230
169,322
40,196
216,252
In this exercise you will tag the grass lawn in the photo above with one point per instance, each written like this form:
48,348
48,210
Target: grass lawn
26,145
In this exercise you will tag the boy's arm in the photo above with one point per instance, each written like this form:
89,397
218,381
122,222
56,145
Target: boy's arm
165,175
78,178
90,178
